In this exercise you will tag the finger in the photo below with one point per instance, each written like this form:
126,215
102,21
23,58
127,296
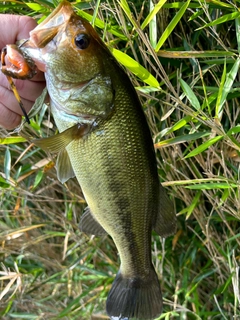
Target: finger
10,111
20,28
27,89
8,119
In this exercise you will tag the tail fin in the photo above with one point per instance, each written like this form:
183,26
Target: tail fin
135,298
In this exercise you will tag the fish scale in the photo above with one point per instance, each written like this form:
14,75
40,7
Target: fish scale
105,141
128,175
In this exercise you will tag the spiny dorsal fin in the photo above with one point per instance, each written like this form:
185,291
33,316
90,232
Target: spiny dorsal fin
61,140
89,225
64,167
166,220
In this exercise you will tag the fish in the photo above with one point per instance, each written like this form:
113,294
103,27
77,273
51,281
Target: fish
105,141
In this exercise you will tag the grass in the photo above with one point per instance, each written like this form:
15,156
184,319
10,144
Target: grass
183,58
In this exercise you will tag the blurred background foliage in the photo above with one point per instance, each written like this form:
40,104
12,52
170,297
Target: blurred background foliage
183,59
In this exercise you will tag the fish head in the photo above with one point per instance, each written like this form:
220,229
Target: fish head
72,55
68,43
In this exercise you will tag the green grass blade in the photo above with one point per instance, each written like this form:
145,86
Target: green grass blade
124,5
211,3
190,94
7,163
153,27
95,12
220,91
35,7
233,238
234,130
153,13
12,140
210,186
194,54
193,204
180,124
135,67
226,87
172,25
225,18
203,147
3,183
237,24
181,139
19,316
101,25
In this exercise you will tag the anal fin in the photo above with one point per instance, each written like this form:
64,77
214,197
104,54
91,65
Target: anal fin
166,220
64,167
89,225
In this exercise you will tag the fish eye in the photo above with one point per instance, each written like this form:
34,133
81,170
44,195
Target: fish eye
82,41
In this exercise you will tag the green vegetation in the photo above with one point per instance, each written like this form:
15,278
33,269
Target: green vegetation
183,58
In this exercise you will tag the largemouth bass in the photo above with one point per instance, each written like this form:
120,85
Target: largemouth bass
105,141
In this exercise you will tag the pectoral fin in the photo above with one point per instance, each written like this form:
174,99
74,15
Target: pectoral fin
61,140
166,220
89,225
64,167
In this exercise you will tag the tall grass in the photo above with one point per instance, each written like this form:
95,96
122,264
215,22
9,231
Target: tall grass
183,59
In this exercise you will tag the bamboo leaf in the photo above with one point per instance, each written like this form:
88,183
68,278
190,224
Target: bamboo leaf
210,186
226,88
100,24
181,123
38,178
234,130
172,25
153,27
225,18
7,164
203,147
153,13
211,3
208,100
35,7
135,67
12,140
95,12
3,183
233,238
194,54
193,204
124,5
180,139
190,94
237,24
220,91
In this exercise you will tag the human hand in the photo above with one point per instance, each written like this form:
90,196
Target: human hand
13,28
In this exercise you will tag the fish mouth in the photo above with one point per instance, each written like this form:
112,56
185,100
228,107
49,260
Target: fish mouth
49,28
